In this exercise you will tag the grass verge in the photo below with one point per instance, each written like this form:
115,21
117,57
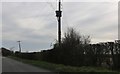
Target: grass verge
61,67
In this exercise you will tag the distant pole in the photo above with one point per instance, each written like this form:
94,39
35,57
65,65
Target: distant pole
58,15
19,46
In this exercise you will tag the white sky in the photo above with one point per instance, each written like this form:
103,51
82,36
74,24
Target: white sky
35,24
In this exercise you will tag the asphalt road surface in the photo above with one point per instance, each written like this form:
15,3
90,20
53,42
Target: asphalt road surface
10,65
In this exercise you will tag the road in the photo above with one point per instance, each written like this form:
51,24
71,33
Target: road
10,65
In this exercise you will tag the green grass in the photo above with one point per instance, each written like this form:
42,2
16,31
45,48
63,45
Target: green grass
61,67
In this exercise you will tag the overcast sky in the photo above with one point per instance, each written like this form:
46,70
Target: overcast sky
35,24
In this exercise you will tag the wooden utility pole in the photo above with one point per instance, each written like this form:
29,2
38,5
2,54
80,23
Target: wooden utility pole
19,46
58,15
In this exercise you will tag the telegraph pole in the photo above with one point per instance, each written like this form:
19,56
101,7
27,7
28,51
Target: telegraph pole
19,46
58,15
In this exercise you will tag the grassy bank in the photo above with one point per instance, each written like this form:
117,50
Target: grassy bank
62,68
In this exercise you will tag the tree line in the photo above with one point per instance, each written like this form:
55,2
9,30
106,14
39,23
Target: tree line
76,50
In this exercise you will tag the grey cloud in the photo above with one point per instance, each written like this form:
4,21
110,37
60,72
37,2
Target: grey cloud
41,28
